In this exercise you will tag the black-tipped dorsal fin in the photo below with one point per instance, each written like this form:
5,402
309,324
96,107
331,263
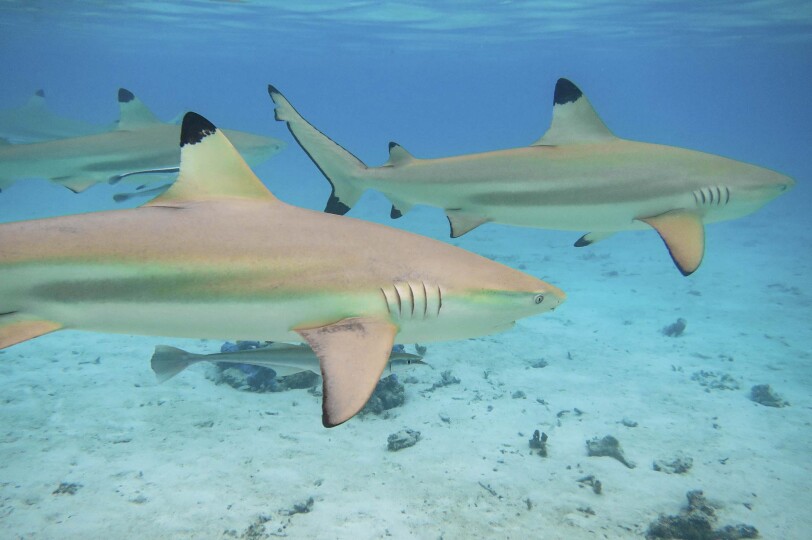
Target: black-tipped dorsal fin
210,168
133,114
398,155
574,119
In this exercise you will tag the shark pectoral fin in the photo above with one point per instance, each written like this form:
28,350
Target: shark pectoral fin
169,361
592,237
462,223
210,168
684,236
16,328
353,354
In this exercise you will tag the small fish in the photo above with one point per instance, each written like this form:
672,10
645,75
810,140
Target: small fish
284,358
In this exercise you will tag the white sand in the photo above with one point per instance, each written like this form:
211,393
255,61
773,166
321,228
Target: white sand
148,469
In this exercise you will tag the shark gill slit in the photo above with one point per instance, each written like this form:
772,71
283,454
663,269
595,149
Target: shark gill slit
400,304
440,300
426,297
386,301
411,292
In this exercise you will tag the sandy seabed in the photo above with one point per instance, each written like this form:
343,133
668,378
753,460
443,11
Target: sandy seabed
191,459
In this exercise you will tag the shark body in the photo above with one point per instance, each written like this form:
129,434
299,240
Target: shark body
218,256
141,149
578,176
284,358
34,121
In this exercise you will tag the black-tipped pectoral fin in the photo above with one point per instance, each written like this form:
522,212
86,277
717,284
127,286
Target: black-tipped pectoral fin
462,222
352,354
684,235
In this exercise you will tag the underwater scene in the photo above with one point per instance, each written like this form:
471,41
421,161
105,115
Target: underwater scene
432,270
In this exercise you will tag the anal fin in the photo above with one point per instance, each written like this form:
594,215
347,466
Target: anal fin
16,328
353,354
684,235
590,238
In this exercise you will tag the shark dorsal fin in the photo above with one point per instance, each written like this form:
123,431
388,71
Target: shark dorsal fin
398,155
210,168
574,119
133,114
36,102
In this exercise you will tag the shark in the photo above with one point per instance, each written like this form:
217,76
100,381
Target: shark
34,122
284,358
141,149
578,176
218,256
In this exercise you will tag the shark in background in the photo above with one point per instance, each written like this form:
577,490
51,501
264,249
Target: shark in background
34,122
218,256
141,149
578,176
284,358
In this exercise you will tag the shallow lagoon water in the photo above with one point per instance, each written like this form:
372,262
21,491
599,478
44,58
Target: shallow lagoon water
189,459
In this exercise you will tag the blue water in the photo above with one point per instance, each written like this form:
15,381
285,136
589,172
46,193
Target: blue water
445,78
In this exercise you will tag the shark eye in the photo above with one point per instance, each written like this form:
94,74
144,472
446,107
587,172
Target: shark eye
539,298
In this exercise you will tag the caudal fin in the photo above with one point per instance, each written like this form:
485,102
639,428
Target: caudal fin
340,167
169,361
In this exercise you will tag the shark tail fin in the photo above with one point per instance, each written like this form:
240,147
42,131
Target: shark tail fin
342,169
169,361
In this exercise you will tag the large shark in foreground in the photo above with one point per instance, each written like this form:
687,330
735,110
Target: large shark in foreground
141,149
34,122
218,256
578,176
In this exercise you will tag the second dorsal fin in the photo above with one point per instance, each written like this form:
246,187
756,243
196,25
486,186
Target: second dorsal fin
398,155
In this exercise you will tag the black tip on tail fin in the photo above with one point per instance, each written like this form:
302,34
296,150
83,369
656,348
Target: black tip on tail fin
566,92
335,206
395,213
194,129
40,93
125,96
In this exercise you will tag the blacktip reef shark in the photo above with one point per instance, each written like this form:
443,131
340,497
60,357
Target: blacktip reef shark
34,122
284,358
578,176
141,148
218,256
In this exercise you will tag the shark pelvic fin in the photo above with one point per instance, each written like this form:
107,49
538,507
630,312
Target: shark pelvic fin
397,155
592,237
574,119
353,354
16,328
210,168
462,223
77,184
684,236
133,114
